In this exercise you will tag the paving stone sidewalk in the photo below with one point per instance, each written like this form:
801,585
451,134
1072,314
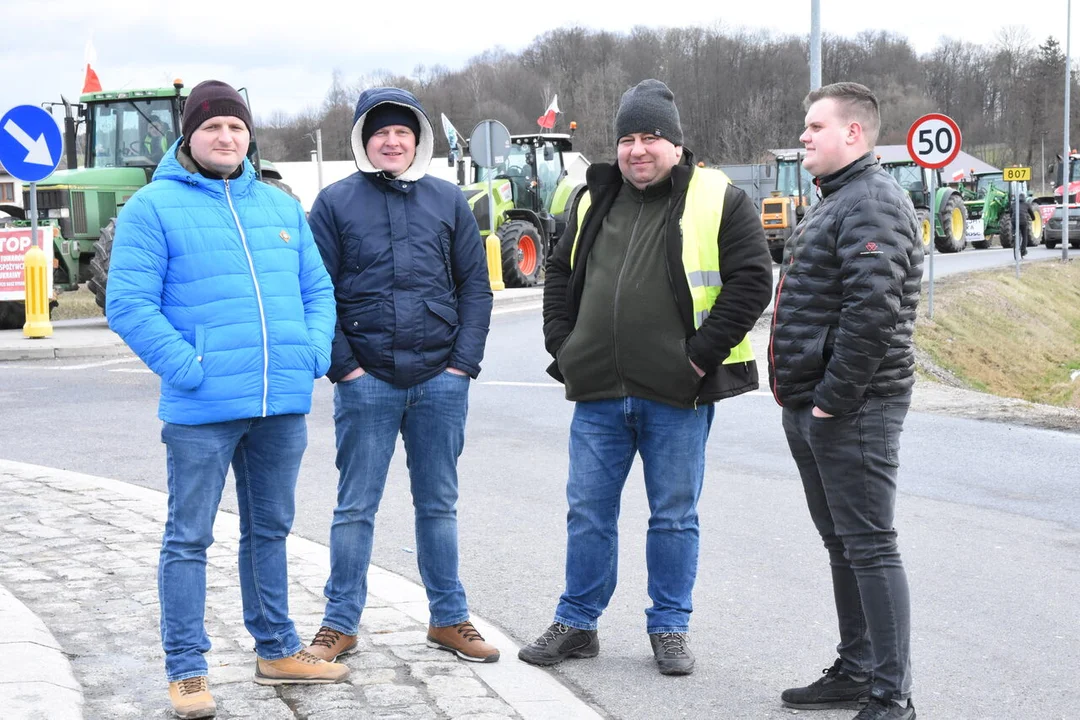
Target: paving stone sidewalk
81,553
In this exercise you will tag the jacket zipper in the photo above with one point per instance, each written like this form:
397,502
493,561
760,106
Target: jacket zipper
258,295
772,335
615,309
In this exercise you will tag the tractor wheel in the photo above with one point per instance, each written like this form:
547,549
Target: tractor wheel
12,315
777,254
926,228
1051,244
953,215
1005,229
99,265
1036,230
522,253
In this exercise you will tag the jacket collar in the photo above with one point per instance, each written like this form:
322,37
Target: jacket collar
834,181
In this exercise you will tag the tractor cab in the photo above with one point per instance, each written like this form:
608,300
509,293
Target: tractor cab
131,131
534,166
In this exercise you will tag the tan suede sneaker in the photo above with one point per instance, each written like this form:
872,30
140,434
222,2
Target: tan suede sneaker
191,698
464,641
329,644
303,668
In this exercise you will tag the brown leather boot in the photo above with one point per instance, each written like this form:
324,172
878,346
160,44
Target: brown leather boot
303,668
191,698
329,644
464,641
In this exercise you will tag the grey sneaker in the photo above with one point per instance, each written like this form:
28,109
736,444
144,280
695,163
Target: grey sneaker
672,653
835,689
558,643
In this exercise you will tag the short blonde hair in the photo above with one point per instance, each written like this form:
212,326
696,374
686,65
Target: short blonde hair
857,104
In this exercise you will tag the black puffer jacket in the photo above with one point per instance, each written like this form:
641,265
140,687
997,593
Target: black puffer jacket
846,301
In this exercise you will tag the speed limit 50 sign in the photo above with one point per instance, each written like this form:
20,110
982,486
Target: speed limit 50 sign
934,141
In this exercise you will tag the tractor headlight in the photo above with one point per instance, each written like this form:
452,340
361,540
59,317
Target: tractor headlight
59,213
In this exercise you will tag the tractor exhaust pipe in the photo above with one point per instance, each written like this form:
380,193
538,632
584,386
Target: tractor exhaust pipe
71,149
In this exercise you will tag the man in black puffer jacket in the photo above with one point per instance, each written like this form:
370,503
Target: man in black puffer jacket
841,363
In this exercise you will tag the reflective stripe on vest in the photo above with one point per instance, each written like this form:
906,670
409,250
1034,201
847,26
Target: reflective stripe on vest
700,230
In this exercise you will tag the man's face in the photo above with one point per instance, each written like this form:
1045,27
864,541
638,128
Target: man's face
645,159
392,149
220,144
831,142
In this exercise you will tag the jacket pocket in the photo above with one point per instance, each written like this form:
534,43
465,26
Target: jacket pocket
200,342
440,327
367,332
444,251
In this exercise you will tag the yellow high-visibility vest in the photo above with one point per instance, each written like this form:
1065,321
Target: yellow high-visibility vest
700,228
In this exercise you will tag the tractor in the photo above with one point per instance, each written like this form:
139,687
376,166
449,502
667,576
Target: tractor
988,197
127,132
948,228
793,195
533,197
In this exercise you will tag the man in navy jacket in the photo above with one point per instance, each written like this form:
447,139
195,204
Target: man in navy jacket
414,303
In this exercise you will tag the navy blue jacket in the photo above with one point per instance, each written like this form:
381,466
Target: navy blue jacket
407,262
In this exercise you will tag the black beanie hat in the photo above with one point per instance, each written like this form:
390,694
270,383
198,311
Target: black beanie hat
212,98
649,107
389,113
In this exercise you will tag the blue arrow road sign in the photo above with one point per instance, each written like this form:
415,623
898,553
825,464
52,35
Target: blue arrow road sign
30,143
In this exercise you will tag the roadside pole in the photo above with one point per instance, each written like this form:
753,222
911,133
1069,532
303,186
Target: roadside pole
933,220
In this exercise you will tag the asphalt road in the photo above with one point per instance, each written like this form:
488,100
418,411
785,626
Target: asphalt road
989,522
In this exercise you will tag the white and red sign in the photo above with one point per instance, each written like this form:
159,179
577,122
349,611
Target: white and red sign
14,242
934,141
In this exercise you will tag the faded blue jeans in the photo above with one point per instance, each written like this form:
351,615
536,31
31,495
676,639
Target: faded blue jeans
265,455
368,415
604,437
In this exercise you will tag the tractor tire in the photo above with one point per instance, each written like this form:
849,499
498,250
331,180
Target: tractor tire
99,265
1005,229
1050,244
1036,230
926,228
980,244
953,215
777,255
522,253
12,315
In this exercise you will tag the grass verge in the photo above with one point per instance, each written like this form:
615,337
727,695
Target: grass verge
1009,337
75,305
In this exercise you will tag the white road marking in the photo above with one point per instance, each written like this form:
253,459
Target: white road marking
132,370
518,307
85,366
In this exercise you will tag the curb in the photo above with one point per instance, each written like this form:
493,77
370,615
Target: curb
533,693
33,667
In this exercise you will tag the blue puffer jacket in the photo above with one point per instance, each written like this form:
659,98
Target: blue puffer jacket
218,287
407,262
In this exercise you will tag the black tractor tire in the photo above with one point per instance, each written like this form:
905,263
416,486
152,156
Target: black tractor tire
1005,229
777,255
1074,243
12,315
926,228
1050,244
981,244
522,253
99,265
953,239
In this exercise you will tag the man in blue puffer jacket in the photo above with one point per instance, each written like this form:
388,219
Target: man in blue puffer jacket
414,304
216,284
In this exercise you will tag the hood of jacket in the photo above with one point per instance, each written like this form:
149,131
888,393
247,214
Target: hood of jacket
425,144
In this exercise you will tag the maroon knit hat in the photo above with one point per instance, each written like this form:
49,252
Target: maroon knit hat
212,98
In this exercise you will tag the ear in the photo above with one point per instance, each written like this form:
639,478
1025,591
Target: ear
678,152
854,133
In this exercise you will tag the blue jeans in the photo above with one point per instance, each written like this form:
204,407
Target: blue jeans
265,454
848,466
604,437
368,415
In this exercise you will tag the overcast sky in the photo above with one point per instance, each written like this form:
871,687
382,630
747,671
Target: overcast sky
284,53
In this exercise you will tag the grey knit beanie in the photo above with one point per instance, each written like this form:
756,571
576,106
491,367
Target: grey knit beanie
649,107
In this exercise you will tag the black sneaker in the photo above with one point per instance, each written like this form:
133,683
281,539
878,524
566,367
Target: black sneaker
878,709
560,642
672,653
836,689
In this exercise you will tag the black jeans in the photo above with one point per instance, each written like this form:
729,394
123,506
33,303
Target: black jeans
848,466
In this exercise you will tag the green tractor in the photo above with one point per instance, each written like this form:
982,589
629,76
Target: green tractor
127,132
988,198
533,196
949,226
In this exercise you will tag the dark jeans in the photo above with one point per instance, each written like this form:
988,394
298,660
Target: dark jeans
848,466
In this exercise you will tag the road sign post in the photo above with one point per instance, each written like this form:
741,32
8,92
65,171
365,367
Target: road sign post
488,146
933,142
30,149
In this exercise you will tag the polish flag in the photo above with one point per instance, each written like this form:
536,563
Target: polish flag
547,120
958,176
91,82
